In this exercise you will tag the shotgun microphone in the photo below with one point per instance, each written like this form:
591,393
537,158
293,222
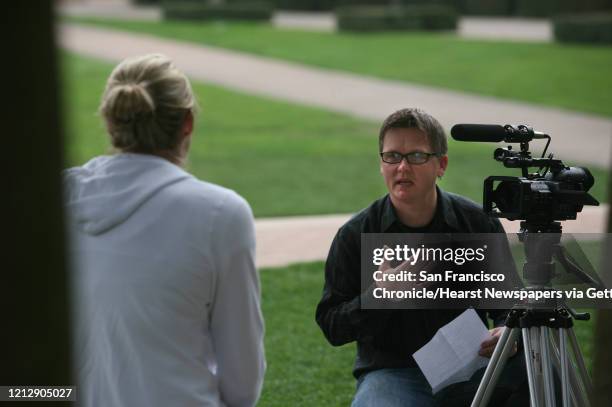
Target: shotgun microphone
478,132
495,133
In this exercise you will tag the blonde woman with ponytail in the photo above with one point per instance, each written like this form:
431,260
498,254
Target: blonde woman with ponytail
166,294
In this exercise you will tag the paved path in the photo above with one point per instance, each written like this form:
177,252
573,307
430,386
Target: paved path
282,241
517,29
305,20
539,30
577,137
119,9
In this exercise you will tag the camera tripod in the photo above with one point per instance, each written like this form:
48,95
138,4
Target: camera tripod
546,329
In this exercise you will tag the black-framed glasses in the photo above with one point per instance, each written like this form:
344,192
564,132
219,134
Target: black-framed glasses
414,157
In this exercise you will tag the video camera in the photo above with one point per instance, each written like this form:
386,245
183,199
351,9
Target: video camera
554,192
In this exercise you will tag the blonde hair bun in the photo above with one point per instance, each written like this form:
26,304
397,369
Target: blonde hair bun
129,102
145,103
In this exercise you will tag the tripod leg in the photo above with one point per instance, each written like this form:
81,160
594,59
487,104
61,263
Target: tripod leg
549,386
586,379
577,394
495,367
531,374
564,366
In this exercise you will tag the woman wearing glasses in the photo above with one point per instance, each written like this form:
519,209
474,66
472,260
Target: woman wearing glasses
166,292
413,151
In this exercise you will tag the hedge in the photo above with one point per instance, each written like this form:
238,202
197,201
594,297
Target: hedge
487,7
395,3
526,8
196,10
547,8
539,8
309,5
584,28
363,18
320,5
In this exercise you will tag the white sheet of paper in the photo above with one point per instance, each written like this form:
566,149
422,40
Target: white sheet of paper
451,356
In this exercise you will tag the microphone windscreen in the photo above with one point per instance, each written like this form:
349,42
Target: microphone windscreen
478,132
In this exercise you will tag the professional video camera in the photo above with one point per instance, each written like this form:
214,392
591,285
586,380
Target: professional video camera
540,200
553,192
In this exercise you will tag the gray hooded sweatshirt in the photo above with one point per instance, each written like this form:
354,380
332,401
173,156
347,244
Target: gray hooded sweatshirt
166,294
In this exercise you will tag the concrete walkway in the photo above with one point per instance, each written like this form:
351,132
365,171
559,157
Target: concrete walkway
516,29
116,9
488,28
539,30
282,241
577,137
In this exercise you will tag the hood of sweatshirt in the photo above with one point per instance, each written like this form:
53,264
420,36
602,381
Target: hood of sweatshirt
106,191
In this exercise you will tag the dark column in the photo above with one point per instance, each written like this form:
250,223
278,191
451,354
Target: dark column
34,296
602,365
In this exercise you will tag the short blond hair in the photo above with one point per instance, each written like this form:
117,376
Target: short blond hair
145,103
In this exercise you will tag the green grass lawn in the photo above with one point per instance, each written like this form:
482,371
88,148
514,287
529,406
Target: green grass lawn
303,369
567,76
285,159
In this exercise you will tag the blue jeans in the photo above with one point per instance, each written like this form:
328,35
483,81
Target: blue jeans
393,387
407,387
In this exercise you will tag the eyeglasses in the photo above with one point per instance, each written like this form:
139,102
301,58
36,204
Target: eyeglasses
415,157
